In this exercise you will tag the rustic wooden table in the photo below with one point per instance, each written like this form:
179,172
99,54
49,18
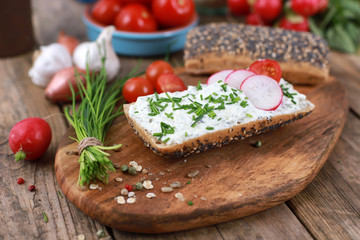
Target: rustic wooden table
329,208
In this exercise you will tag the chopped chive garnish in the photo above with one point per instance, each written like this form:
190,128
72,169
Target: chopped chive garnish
166,140
60,195
223,86
156,96
157,134
214,93
201,97
249,115
190,203
288,94
198,87
45,217
244,104
219,119
209,128
169,115
186,134
188,182
136,112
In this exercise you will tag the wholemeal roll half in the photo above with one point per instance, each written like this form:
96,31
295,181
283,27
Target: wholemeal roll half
174,129
303,56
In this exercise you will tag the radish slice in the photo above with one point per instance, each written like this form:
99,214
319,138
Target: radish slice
236,77
218,76
263,92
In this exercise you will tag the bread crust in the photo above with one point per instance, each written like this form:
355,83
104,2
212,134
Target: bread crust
216,138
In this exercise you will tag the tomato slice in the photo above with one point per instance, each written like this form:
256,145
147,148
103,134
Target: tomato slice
169,82
267,67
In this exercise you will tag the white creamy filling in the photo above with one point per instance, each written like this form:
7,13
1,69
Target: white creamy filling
181,121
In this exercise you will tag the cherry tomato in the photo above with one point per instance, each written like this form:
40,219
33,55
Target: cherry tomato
136,87
173,13
238,7
268,10
169,82
155,69
105,11
322,6
30,138
267,67
305,8
299,25
254,19
135,18
146,3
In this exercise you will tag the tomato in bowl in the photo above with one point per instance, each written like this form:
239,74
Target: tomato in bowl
138,44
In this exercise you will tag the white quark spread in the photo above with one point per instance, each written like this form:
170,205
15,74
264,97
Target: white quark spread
177,117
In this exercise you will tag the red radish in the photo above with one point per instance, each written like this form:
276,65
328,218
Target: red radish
236,77
219,76
58,90
263,92
30,138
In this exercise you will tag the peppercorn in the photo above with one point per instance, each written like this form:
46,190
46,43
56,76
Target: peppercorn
132,171
128,187
258,144
20,181
139,186
124,168
32,188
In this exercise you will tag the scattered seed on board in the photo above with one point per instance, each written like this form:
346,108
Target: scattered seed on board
131,194
116,166
93,186
118,179
81,237
202,198
175,184
208,165
138,168
193,174
150,195
100,188
139,186
180,196
147,184
124,192
167,189
144,171
100,233
133,163
195,196
120,200
157,179
131,200
161,173
132,170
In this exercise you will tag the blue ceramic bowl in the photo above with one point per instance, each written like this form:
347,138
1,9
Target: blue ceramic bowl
142,44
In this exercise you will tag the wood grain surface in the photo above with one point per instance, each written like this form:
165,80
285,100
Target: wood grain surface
239,179
328,208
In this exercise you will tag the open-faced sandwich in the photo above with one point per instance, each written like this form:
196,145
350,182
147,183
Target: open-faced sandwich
233,105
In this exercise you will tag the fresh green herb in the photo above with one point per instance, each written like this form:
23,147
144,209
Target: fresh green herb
288,94
190,203
60,195
169,115
45,217
165,129
188,182
136,112
156,96
93,118
209,128
223,86
219,119
249,115
198,87
244,104
201,97
166,140
186,134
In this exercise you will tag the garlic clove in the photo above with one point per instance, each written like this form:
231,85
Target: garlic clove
52,58
91,53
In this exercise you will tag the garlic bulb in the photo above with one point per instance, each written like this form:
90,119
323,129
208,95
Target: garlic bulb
52,58
91,53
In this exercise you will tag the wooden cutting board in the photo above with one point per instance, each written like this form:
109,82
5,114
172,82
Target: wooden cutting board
234,181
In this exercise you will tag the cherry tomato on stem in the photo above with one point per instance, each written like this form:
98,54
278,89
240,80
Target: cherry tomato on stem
146,3
30,138
254,19
267,67
105,11
268,10
173,13
238,7
298,24
155,69
136,87
135,18
169,82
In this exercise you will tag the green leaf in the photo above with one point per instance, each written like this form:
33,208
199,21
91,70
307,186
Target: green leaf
314,28
339,39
